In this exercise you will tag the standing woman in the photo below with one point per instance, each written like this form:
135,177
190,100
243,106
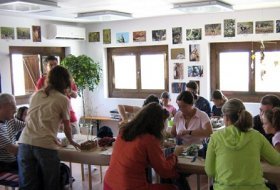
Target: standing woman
136,148
271,125
39,165
234,153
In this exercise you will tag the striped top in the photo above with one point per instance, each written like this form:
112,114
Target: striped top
8,131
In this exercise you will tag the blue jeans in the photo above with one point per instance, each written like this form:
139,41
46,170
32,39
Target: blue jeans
38,168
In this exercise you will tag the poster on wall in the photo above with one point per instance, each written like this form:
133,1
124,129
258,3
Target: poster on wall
159,35
178,71
212,29
229,28
139,36
245,28
7,33
262,27
122,37
195,71
106,36
277,26
36,34
23,33
193,34
194,52
178,87
177,35
178,53
94,37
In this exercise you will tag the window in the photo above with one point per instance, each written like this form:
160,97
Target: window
136,72
27,65
237,69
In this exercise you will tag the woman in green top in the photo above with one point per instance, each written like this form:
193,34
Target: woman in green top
234,153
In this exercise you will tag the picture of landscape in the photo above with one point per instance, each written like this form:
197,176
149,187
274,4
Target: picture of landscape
193,34
7,33
264,27
139,36
159,35
212,29
23,33
94,37
245,28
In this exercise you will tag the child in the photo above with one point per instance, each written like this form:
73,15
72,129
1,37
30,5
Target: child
165,101
219,100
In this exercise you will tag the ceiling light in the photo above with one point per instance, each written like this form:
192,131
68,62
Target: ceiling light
27,6
203,7
105,15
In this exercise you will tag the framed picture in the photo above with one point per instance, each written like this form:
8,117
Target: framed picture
107,36
23,33
229,28
193,34
122,37
178,71
177,35
139,36
36,34
7,33
159,35
262,27
195,71
277,26
212,29
194,52
178,53
94,37
178,87
245,28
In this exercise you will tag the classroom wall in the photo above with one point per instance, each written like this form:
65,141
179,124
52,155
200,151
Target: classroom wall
98,101
75,47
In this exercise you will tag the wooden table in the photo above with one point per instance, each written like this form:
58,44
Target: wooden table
271,173
95,157
95,120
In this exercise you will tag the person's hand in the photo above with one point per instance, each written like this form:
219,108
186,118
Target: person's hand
76,145
182,133
178,150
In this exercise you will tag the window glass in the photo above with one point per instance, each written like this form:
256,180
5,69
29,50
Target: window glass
152,67
125,72
268,72
234,71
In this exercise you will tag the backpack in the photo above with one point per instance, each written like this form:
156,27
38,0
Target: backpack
65,175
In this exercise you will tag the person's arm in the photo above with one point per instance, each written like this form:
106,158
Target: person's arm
206,131
73,93
123,109
210,158
268,152
165,167
12,149
6,143
68,134
15,124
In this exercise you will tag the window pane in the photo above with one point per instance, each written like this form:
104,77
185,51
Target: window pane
18,75
268,72
234,71
152,71
125,72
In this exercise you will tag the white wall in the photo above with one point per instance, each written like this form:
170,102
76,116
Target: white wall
73,46
98,101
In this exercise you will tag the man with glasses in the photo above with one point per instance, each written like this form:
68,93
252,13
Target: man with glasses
268,102
9,127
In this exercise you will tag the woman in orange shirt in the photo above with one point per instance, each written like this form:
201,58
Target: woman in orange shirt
136,148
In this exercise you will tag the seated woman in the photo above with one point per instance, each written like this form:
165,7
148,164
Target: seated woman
165,101
271,125
219,100
191,125
21,115
234,153
136,148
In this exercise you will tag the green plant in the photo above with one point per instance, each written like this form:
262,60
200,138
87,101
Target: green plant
85,72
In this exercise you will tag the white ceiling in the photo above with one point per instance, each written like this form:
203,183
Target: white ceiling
67,10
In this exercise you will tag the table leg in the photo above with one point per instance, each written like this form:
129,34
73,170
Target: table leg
198,182
89,178
83,172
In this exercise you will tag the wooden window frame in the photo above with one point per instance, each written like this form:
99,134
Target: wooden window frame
137,51
42,51
217,48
